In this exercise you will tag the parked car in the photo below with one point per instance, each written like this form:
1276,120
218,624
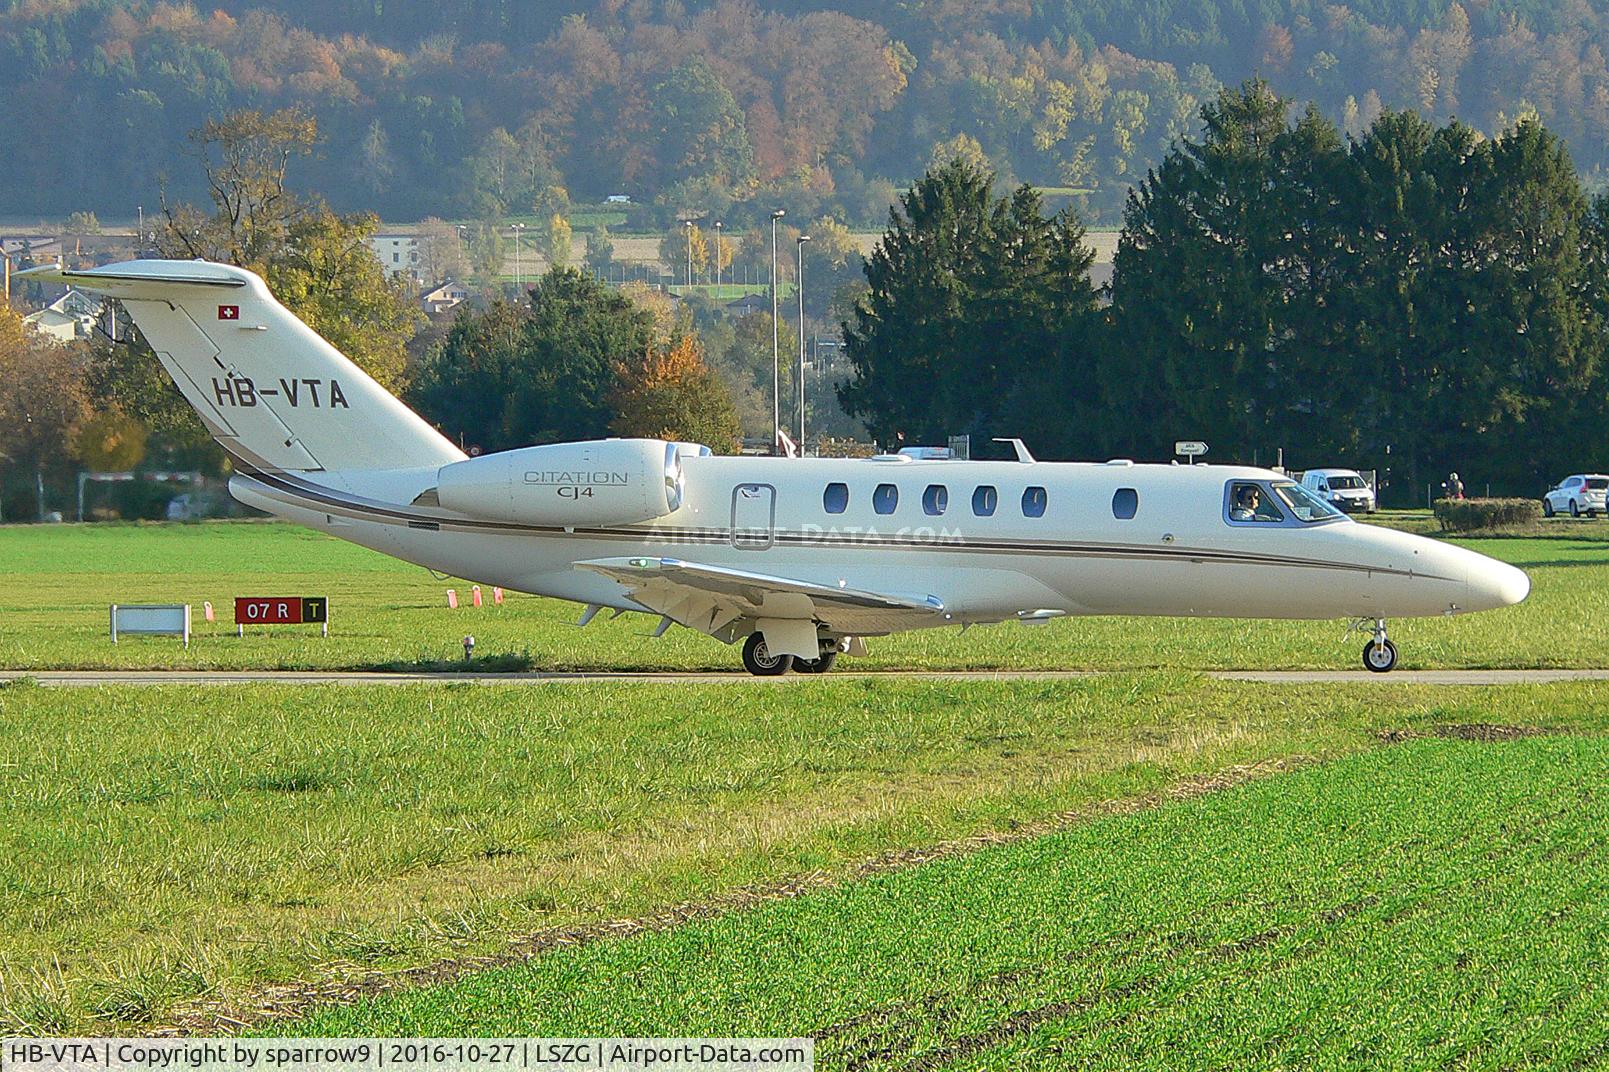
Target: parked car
1583,493
1344,488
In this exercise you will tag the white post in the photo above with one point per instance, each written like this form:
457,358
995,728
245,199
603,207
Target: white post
776,368
799,286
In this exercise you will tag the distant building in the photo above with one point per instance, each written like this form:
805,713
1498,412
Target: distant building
39,250
448,295
749,303
70,316
398,254
619,199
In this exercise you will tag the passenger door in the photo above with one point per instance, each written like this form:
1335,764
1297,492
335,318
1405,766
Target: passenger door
754,513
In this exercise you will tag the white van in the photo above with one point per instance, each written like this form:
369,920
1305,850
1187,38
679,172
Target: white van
1344,488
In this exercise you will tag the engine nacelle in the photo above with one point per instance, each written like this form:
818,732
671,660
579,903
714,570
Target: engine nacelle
602,482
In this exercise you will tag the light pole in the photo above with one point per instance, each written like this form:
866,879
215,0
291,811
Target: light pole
717,258
518,273
776,366
798,285
688,225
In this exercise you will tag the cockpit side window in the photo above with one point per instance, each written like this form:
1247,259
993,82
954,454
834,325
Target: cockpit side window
1250,504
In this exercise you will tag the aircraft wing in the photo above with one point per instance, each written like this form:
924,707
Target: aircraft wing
709,598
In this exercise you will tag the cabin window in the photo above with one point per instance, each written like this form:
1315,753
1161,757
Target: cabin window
835,500
984,500
935,500
1125,504
1033,502
885,498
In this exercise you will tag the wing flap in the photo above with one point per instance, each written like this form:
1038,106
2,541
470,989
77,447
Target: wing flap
708,598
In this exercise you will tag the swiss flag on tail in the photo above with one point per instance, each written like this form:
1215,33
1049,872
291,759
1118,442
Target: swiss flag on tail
228,312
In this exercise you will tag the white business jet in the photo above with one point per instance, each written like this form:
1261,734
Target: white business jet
801,559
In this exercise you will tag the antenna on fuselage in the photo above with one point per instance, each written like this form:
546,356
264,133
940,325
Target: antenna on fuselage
1020,447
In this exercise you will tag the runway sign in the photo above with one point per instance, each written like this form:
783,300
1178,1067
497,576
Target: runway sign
282,610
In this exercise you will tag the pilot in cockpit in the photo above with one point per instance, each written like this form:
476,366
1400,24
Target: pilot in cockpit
1249,505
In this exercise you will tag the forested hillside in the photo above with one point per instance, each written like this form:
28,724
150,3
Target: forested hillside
482,108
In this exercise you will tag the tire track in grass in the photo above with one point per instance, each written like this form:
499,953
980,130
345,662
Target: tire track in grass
875,1037
902,1020
276,1003
290,1000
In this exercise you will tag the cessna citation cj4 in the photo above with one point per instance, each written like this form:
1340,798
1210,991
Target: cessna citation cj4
800,559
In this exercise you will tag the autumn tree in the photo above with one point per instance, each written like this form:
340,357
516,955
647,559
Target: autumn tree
316,262
245,156
327,274
681,243
442,253
704,132
553,240
43,400
111,441
670,393
600,251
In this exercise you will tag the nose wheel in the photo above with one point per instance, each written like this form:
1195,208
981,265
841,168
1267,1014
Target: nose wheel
1379,654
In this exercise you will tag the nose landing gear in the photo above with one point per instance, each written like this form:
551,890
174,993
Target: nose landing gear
1379,654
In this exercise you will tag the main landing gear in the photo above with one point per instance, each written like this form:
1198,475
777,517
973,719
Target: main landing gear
760,661
1379,654
820,664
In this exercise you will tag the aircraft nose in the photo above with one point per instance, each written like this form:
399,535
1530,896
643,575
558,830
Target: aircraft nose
1495,584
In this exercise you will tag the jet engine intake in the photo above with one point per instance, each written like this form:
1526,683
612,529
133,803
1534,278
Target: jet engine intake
601,482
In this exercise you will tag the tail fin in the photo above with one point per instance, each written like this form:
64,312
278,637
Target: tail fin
267,387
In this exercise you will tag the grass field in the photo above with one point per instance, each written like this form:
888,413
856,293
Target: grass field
171,843
176,853
56,583
1439,903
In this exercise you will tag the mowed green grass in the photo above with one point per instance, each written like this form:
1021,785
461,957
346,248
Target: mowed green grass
1438,903
57,581
166,843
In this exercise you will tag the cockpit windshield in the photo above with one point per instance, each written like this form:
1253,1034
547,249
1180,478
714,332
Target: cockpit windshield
1304,504
1345,483
1275,502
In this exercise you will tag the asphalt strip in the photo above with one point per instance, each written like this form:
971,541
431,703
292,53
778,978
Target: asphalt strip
93,678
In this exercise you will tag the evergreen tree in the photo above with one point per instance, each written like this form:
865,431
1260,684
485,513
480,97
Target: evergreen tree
977,309
1197,310
514,376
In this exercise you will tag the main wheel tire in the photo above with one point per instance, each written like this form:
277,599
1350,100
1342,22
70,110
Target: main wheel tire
1575,508
758,660
1379,658
1547,507
819,665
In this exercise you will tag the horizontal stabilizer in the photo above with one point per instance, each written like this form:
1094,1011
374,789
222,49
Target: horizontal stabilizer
117,281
